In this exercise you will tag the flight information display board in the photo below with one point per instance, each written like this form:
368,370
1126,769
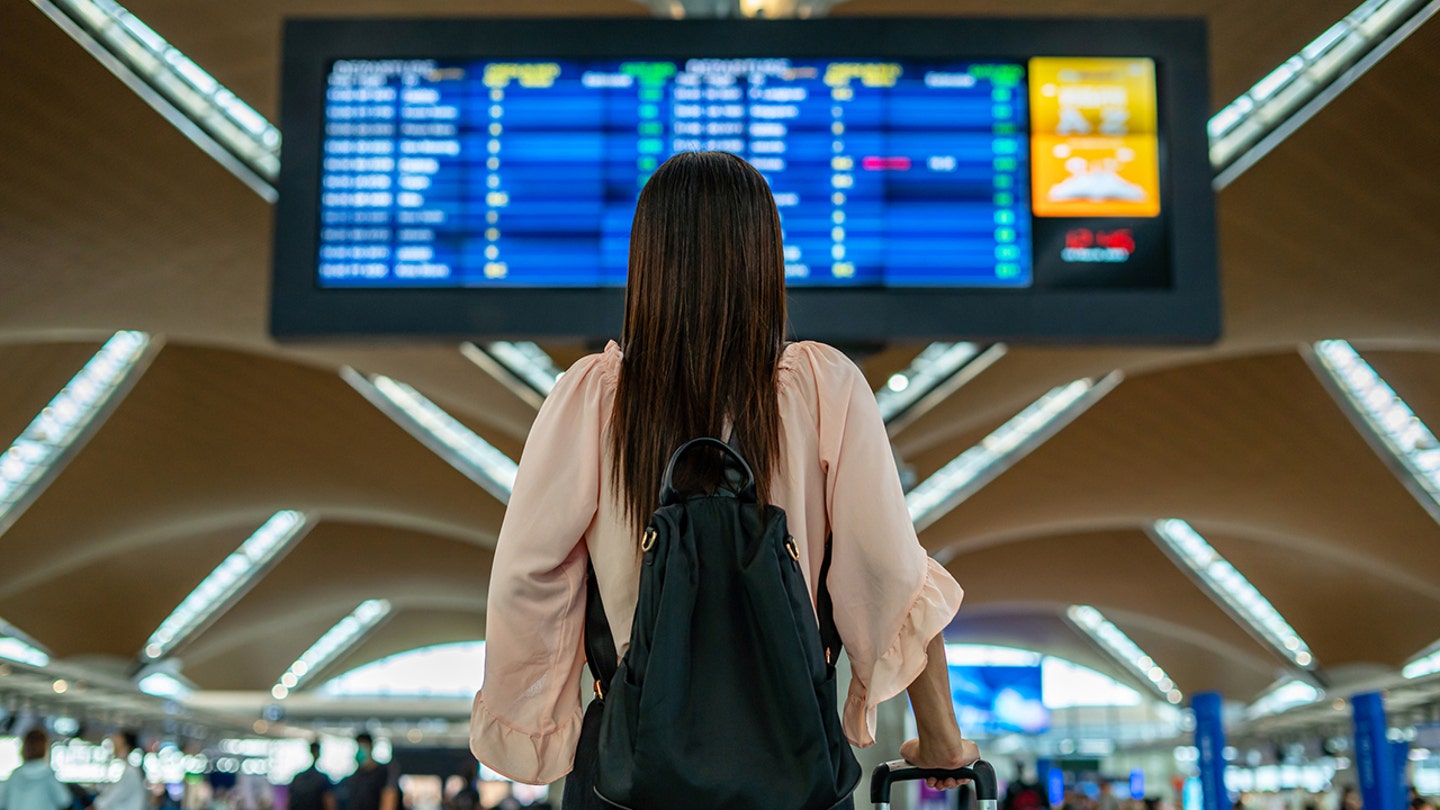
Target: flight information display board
936,178
526,173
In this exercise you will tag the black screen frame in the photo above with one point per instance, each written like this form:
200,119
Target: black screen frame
1188,311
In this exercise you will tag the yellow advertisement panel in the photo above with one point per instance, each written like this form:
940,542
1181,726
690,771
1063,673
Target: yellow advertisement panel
1094,148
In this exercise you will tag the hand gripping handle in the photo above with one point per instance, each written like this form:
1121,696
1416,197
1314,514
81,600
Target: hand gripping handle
980,773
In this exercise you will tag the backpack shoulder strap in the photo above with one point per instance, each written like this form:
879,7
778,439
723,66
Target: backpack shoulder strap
825,609
824,604
600,652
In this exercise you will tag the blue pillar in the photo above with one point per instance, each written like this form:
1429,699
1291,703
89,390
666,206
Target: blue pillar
1056,786
1210,740
1042,776
1401,758
1374,758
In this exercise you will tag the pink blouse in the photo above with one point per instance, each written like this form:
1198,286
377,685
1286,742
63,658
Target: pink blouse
836,477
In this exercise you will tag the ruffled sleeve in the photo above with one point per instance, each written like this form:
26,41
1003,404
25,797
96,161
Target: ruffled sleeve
525,721
890,597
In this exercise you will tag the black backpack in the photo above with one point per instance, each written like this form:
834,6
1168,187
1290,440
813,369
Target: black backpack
726,697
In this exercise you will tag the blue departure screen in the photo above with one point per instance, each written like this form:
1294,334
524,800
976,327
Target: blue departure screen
525,173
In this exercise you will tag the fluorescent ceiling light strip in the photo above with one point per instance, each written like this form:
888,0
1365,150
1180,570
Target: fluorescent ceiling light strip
442,670
33,458
1391,425
931,380
1233,590
20,648
474,457
967,473
986,655
530,362
934,365
1427,664
336,642
1283,697
230,579
1253,124
230,130
180,90
1125,651
164,685
522,367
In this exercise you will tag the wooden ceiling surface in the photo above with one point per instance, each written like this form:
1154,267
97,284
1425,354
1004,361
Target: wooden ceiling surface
1193,663
1254,442
1413,376
408,629
1040,627
1248,39
110,606
1345,613
30,376
335,568
1330,235
213,438
1118,571
114,220
240,44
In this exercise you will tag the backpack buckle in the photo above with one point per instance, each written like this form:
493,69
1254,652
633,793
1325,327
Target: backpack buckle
599,691
648,541
792,548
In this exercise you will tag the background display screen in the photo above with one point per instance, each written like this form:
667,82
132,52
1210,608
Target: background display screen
526,173
995,700
952,178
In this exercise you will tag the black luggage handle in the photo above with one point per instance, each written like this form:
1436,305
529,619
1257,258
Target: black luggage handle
980,773
669,496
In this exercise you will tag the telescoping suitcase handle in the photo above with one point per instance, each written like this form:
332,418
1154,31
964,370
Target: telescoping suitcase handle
981,774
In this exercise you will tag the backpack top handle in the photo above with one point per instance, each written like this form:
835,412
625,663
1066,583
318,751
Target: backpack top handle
746,491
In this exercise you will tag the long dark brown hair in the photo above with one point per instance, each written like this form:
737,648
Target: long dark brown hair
704,323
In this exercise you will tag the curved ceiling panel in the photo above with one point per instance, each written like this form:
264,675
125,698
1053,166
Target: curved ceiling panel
1415,376
1017,379
1346,615
1037,627
1195,663
1247,40
122,223
1332,234
240,45
1327,236
208,432
447,378
1117,572
411,630
331,571
1253,442
33,374
118,220
112,605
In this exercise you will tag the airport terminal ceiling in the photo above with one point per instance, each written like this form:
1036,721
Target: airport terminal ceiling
113,220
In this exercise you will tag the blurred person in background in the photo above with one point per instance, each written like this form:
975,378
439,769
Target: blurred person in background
1350,798
509,802
1023,794
373,786
1421,803
127,793
1107,800
33,785
467,797
311,789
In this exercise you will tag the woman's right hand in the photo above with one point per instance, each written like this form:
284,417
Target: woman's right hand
918,753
